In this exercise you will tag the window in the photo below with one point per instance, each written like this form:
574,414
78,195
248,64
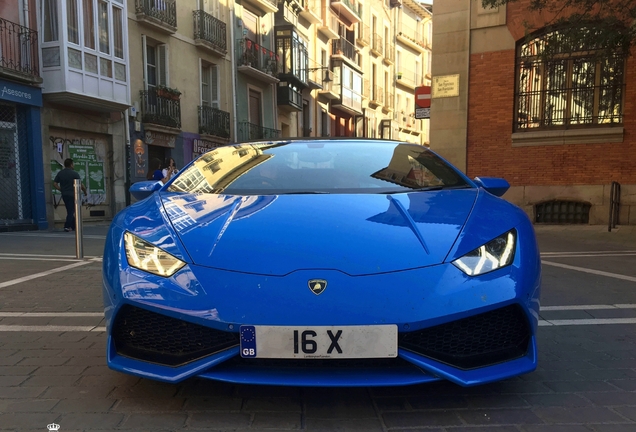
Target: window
104,42
209,85
89,24
155,64
50,21
577,87
71,21
118,32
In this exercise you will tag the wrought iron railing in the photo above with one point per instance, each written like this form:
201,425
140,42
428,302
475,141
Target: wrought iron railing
18,48
344,47
163,10
366,87
210,29
378,95
409,77
161,110
388,100
364,34
413,34
378,44
254,55
389,52
248,131
213,121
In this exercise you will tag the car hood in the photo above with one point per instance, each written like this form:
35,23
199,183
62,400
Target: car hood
356,234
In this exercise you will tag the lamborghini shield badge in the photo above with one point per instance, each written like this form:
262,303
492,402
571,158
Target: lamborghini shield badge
317,286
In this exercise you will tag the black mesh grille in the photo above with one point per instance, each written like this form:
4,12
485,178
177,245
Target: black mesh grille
477,341
157,338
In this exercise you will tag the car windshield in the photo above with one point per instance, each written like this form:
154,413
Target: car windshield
348,166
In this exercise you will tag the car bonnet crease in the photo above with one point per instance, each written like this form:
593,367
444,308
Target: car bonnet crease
354,233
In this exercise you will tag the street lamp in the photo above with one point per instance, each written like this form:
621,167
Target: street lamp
327,78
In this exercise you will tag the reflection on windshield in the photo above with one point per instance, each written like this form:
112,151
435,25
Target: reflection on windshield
348,166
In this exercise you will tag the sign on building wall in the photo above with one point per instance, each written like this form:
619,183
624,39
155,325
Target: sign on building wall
200,146
445,86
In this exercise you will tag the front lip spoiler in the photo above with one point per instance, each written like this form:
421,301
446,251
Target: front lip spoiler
429,371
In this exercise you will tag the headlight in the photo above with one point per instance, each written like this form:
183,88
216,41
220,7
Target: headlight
150,258
493,255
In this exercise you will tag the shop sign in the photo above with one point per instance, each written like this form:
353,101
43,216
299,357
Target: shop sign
160,139
20,93
200,147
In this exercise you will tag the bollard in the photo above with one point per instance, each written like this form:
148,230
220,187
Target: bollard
79,239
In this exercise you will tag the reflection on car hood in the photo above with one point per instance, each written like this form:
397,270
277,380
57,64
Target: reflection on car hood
356,234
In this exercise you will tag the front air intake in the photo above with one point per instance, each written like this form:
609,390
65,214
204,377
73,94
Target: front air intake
157,338
481,340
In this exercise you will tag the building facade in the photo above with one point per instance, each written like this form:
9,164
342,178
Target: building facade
561,133
86,83
21,167
181,66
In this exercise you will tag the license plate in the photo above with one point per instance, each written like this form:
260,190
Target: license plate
319,342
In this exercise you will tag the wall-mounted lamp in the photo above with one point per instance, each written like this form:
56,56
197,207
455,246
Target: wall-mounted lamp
327,78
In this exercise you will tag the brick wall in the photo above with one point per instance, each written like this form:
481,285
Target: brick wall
490,125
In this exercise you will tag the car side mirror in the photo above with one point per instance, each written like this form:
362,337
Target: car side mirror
142,190
494,185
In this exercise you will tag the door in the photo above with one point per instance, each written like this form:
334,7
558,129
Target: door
255,114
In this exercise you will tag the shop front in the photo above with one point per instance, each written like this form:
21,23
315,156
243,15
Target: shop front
21,168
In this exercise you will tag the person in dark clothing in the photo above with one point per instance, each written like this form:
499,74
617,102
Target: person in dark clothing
155,171
64,182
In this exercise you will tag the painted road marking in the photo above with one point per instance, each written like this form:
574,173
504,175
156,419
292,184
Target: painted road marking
50,328
592,321
50,314
591,271
42,274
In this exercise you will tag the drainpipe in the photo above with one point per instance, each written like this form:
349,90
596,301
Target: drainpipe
234,71
25,11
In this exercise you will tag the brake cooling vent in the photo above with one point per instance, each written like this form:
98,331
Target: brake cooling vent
477,341
153,337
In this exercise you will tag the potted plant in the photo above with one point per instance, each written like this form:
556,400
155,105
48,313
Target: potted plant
399,75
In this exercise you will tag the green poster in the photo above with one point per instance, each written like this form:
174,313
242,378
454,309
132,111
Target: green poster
82,153
81,170
96,178
55,168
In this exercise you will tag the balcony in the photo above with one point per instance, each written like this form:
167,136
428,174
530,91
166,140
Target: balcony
311,10
347,9
289,98
364,34
343,49
408,78
160,110
264,6
258,62
248,132
210,33
411,37
19,52
388,102
329,89
377,45
159,14
407,123
377,97
389,53
366,88
213,121
330,27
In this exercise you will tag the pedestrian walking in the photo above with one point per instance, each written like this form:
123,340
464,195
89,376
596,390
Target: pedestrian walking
64,182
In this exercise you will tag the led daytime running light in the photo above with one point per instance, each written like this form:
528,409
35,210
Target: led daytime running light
488,257
147,257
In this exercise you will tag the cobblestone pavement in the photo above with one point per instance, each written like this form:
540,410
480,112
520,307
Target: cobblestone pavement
52,357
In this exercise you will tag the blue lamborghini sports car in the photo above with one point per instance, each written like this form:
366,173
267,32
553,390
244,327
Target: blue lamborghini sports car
322,263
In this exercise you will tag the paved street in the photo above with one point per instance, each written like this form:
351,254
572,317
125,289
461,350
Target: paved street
52,365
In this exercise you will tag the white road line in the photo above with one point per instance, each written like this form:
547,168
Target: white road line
42,274
592,321
49,328
50,314
53,235
587,270
589,255
588,252
588,307
38,259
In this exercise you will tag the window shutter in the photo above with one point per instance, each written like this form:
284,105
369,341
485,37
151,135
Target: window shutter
162,65
214,86
145,60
